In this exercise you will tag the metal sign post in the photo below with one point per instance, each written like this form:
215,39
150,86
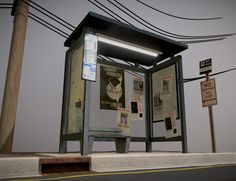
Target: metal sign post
211,119
209,98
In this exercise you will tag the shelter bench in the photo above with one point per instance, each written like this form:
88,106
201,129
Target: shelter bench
122,141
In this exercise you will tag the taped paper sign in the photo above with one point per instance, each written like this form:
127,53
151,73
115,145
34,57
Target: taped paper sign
136,108
123,120
171,125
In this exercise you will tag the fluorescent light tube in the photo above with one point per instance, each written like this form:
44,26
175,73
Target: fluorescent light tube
128,46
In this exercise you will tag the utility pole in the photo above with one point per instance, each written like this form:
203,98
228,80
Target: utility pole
12,84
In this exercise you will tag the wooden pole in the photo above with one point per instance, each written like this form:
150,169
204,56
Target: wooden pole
211,119
12,84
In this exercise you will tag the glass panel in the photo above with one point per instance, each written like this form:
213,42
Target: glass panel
165,103
76,102
164,93
134,95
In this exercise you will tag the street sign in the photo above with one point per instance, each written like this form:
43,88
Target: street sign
205,66
208,90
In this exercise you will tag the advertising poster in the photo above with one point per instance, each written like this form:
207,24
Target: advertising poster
112,89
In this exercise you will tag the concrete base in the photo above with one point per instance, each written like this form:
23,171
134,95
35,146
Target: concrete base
141,161
19,167
24,165
29,165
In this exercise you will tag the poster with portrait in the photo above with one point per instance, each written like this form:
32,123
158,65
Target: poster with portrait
164,89
138,86
123,120
112,89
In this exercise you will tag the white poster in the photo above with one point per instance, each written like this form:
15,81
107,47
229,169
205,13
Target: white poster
90,57
136,108
138,86
164,93
123,120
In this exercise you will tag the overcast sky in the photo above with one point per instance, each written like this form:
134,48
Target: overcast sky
39,107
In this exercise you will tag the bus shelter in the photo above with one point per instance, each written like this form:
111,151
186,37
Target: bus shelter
121,84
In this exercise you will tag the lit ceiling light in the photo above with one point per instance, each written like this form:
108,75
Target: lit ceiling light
129,46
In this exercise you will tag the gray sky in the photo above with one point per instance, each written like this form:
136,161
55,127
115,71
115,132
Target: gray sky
39,106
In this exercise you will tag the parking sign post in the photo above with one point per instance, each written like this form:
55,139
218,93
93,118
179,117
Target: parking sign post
211,119
209,98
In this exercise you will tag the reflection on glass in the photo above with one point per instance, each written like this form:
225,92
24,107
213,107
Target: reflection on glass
75,117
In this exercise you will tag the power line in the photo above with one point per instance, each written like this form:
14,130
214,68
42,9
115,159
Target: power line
106,11
53,14
179,17
45,25
128,71
6,4
48,15
169,34
203,41
115,13
5,7
48,24
140,21
201,77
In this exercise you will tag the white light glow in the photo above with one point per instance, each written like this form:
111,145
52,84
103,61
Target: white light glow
128,46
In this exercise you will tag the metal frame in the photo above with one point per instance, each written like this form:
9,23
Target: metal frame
177,61
64,136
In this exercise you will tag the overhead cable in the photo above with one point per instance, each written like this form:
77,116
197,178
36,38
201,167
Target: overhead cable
104,11
108,11
49,15
166,33
179,17
53,14
46,25
202,41
128,71
49,24
201,77
6,5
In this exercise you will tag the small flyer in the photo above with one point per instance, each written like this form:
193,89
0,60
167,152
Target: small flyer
158,107
138,86
136,108
171,125
166,82
123,119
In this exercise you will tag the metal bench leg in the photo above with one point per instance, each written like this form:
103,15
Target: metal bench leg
122,145
91,140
